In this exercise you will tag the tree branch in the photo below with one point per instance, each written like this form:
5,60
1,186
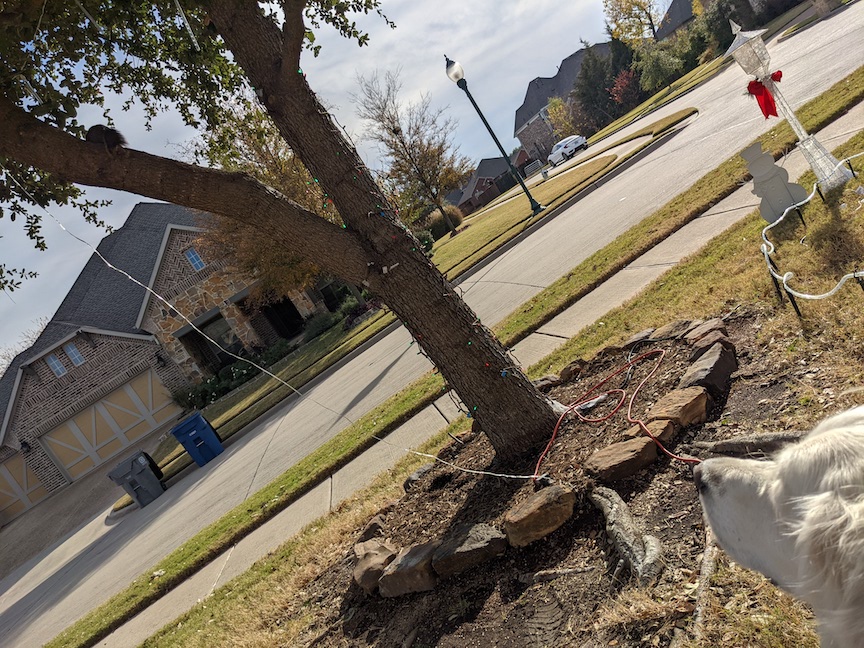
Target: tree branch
235,195
293,32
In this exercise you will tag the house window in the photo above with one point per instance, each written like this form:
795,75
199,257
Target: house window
56,366
74,354
194,259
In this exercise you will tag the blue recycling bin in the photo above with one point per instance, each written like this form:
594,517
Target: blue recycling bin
198,438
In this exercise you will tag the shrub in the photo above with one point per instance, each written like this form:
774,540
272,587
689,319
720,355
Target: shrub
348,305
317,324
437,224
426,240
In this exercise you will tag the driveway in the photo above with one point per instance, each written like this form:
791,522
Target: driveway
48,593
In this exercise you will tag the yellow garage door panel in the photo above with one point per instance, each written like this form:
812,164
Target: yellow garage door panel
106,428
20,488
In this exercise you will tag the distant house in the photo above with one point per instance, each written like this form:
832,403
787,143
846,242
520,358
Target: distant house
679,13
482,188
532,126
99,378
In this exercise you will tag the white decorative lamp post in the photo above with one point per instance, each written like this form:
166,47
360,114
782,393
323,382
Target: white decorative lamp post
750,53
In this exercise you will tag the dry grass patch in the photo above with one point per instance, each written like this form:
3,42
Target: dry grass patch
742,608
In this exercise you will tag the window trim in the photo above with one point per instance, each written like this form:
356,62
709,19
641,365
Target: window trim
55,365
73,354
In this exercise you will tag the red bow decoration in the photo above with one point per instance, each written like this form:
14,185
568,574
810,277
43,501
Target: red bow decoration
763,96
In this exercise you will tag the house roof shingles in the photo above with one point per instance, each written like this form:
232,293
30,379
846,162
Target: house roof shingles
542,89
678,13
488,168
101,297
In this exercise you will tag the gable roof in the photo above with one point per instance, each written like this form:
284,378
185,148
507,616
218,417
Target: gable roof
678,13
488,168
542,89
102,298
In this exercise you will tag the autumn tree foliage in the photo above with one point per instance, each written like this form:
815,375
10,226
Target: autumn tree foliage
633,20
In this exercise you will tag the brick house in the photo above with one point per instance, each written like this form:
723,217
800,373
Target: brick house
490,179
532,127
98,379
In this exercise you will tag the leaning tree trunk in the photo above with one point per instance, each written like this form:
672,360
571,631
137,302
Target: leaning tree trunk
509,409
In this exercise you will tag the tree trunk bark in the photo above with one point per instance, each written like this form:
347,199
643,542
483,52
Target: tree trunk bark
510,410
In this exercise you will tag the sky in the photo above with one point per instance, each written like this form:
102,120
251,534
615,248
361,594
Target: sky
501,44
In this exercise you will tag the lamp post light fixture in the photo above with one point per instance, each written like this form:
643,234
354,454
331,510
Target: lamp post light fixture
750,53
457,75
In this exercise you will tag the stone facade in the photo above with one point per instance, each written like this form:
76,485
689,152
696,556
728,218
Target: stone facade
45,401
538,138
193,293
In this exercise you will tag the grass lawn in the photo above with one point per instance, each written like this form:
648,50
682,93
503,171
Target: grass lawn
207,544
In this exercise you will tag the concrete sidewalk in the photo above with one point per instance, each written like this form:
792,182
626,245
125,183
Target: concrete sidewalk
329,494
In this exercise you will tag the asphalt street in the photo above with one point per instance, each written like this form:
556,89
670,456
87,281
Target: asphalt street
44,596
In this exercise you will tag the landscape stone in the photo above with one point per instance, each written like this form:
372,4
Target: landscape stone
547,382
665,430
703,344
538,516
416,476
373,528
411,571
621,459
571,370
712,371
683,406
672,330
641,336
374,557
468,546
705,328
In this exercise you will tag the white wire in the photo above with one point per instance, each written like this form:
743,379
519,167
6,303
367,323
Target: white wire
768,248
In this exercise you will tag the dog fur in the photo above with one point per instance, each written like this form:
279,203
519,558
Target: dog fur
799,519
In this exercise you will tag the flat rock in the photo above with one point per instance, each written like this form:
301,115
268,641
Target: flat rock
622,459
416,476
641,336
374,557
665,430
469,545
538,516
411,571
672,330
683,406
712,370
547,382
373,528
571,370
705,328
704,343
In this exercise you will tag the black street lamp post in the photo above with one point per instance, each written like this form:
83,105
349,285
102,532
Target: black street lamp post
457,75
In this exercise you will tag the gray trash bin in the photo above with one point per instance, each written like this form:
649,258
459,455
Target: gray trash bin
140,477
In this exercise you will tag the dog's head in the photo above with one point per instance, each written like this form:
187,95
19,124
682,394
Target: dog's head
799,517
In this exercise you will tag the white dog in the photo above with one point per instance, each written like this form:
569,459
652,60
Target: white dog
799,519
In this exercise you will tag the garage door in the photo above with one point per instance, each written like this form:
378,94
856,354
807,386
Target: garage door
115,422
20,488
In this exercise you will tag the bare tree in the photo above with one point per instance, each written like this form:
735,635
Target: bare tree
416,139
25,340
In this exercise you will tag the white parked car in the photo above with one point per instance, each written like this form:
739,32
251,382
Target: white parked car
566,149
